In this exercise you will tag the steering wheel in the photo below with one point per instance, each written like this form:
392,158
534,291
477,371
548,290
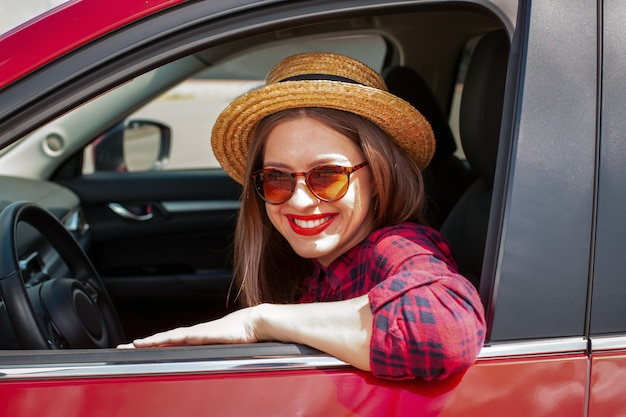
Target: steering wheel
61,312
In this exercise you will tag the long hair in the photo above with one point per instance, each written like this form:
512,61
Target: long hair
266,267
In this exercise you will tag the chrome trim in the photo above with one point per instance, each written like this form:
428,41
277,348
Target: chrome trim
538,347
105,369
122,211
269,363
33,260
602,343
75,222
72,221
215,205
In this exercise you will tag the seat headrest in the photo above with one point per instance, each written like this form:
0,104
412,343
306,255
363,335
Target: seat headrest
407,84
481,103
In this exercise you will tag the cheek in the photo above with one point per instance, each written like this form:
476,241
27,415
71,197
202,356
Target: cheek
357,202
363,205
363,192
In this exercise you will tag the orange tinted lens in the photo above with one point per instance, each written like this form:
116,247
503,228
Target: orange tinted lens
277,186
328,182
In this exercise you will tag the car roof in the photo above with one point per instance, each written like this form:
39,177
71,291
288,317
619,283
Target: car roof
77,22
66,27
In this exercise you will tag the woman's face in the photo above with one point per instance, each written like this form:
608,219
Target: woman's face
315,228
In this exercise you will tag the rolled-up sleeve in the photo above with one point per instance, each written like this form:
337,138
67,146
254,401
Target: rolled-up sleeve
428,319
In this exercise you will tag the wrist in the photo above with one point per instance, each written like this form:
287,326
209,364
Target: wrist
275,323
260,323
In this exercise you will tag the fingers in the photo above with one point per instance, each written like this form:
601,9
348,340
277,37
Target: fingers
183,336
237,327
174,337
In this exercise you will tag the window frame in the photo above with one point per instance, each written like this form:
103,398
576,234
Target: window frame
114,58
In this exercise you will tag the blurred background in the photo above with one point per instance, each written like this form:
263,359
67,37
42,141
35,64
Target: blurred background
16,12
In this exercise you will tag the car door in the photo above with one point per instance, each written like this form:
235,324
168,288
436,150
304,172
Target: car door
535,273
171,267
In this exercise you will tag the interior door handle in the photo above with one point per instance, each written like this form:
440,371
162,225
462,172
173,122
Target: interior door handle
125,213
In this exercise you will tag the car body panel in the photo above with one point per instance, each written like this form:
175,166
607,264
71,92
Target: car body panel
553,260
493,387
608,370
561,221
81,22
608,314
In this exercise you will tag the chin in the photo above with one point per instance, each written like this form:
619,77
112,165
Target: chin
315,249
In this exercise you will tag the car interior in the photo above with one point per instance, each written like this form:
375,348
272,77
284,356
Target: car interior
159,236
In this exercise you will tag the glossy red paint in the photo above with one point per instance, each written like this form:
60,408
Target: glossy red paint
64,28
538,386
522,387
608,373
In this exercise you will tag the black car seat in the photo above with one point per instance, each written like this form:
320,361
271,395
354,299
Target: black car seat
480,117
447,177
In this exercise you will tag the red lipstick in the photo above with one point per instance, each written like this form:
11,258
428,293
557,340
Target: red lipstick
310,225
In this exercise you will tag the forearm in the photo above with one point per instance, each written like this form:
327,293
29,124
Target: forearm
342,329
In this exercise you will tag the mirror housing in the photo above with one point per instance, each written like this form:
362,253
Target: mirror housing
133,145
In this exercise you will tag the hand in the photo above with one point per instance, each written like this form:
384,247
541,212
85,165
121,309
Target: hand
237,327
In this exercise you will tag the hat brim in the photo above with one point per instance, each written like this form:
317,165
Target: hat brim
235,126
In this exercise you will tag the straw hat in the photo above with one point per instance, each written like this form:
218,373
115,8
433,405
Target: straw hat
320,80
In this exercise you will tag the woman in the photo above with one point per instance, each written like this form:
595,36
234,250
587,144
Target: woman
330,246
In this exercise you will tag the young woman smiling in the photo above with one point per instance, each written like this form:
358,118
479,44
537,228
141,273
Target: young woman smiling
331,249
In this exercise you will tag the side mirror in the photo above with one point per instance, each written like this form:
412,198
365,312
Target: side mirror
133,145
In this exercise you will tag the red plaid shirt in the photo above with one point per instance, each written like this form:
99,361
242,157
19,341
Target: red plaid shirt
428,319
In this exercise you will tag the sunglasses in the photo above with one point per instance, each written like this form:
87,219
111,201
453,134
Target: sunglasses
327,182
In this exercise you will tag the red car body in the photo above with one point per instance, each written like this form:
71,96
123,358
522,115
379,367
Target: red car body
561,374
512,387
81,21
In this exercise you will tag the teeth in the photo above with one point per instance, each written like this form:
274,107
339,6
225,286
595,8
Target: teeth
309,224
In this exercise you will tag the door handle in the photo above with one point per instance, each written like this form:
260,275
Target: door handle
125,213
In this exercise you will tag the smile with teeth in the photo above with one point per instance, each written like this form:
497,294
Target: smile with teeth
309,224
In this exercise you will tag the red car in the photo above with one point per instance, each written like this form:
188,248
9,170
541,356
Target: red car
106,110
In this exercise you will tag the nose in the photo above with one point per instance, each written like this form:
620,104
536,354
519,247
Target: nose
302,195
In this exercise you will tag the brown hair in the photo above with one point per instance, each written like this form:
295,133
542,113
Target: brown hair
266,267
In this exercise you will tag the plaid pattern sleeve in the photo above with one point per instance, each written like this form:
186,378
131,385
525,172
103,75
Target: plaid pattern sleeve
428,319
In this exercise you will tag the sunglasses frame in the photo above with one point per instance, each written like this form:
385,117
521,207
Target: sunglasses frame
292,176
